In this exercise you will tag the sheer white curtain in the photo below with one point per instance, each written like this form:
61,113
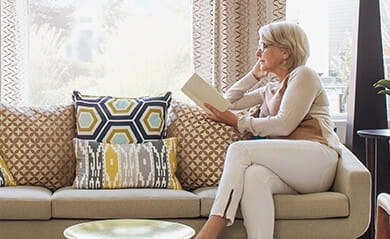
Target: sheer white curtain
13,50
225,36
225,39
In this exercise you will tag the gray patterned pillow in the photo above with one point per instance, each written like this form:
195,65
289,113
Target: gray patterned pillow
107,166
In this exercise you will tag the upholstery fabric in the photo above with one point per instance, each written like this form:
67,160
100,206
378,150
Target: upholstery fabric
36,144
202,145
124,203
121,120
6,178
290,206
25,203
145,165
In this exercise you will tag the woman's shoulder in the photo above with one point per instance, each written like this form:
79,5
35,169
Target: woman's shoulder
305,75
304,70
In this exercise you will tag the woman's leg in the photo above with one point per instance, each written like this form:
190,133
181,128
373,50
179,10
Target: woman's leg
212,228
304,165
257,205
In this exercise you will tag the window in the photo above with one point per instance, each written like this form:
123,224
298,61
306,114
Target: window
385,24
331,28
123,48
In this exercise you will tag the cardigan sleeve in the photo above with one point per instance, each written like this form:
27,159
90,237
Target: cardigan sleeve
303,88
238,94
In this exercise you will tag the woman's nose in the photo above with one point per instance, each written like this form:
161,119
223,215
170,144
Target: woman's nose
258,53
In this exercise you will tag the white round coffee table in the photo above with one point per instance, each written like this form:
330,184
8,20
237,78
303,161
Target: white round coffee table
129,229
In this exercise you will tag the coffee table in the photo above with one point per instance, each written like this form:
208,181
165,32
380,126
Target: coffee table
129,228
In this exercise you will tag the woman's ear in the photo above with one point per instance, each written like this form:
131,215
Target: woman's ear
286,53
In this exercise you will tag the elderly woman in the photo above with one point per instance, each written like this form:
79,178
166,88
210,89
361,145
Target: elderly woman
300,152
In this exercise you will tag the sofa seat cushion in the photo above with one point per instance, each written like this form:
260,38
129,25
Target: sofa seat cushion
291,206
25,203
124,203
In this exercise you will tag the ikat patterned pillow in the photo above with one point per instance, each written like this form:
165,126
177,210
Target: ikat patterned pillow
119,120
6,178
110,166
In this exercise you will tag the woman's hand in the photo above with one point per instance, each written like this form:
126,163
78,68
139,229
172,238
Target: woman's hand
257,72
226,117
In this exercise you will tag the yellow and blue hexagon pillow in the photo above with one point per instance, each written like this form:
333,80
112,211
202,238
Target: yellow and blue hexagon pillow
119,120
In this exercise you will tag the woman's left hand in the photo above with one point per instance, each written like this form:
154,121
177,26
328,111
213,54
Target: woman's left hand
226,117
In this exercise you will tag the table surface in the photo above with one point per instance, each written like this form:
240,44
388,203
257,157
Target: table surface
129,228
375,133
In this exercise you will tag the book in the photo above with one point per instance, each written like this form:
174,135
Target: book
200,92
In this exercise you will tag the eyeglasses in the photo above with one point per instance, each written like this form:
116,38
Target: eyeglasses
263,46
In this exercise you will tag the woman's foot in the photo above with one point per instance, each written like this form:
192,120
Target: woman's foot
212,228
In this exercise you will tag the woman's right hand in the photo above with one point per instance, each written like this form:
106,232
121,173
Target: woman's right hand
257,72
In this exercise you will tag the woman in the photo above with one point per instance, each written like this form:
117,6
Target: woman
301,150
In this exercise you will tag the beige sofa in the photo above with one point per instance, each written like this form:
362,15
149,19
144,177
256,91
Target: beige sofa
35,212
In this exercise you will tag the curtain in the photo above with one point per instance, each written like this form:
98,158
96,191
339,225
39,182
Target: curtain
225,36
13,50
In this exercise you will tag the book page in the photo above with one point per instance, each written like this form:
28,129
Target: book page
199,91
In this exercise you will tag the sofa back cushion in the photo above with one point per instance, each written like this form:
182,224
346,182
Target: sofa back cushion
36,144
202,144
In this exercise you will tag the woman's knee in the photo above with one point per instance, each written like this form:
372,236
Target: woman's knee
258,174
237,146
237,150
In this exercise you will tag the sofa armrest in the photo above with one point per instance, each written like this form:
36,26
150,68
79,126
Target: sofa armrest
354,180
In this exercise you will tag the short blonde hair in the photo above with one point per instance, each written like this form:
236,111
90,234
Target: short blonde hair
287,35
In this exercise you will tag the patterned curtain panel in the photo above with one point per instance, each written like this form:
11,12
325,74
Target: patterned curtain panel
225,36
13,52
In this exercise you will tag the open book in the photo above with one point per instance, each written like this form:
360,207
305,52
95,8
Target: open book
199,91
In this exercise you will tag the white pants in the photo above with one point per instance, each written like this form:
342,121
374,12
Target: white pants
256,169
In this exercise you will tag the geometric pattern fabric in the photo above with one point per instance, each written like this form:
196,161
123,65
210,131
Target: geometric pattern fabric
110,166
13,54
36,143
225,36
121,120
202,145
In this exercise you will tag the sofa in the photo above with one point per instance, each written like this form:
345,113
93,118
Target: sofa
35,211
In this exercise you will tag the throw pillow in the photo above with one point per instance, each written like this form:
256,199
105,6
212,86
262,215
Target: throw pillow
6,178
121,120
107,166
36,143
202,145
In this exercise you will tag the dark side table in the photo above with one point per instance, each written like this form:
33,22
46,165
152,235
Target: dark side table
372,136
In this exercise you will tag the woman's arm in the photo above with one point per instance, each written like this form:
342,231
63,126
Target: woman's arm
303,87
238,94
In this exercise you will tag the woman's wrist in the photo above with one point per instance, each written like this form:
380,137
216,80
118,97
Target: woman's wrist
256,77
259,75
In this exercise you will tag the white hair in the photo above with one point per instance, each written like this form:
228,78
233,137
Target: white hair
290,36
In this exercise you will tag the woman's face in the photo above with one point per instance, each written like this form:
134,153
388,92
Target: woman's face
271,57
